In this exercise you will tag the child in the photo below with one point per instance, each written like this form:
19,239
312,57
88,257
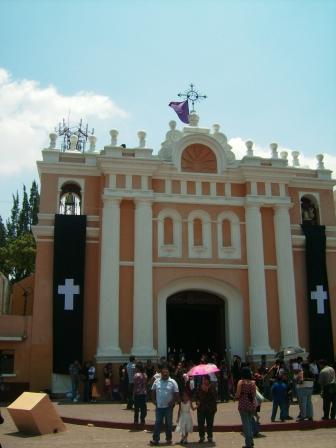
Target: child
184,419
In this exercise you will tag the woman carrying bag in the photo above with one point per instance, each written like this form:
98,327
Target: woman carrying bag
247,404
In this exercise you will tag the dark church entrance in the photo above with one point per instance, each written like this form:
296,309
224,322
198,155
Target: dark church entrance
195,325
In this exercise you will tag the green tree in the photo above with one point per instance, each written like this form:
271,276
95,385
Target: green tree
17,258
12,223
24,215
34,203
3,236
17,244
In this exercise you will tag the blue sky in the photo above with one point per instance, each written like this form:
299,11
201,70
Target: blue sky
268,68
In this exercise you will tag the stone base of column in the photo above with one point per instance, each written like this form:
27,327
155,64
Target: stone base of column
143,352
108,352
255,353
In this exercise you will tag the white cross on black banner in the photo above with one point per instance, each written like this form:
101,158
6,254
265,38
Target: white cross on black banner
320,329
68,290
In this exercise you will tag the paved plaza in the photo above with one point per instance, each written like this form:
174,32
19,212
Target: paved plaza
89,435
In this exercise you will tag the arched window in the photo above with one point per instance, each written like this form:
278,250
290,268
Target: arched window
168,225
199,234
228,235
309,210
169,233
70,199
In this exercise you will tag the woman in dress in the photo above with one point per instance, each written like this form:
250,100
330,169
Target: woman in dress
184,418
246,394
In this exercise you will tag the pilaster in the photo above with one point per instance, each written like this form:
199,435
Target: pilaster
108,338
286,281
143,280
257,285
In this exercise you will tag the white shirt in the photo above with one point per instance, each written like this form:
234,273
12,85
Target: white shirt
165,390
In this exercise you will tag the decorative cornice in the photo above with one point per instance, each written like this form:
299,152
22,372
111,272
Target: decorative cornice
48,231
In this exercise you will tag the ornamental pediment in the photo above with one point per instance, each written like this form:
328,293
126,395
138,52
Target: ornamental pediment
197,150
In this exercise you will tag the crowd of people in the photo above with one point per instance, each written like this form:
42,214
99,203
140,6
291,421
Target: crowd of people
168,384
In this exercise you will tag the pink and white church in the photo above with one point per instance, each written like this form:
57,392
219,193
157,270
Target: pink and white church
187,250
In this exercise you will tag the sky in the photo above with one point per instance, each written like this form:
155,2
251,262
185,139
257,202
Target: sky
268,68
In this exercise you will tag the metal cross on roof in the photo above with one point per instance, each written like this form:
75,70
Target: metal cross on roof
192,95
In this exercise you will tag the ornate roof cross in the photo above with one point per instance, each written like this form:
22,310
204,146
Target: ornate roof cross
192,95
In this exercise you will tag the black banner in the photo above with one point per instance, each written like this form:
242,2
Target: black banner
68,290
320,329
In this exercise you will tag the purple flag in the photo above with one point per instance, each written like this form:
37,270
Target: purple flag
182,110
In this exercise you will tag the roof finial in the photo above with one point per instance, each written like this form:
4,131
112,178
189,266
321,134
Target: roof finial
193,96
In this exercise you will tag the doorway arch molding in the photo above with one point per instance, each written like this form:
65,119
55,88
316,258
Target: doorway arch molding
233,302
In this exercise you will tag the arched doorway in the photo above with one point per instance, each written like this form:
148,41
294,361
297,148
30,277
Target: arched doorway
195,324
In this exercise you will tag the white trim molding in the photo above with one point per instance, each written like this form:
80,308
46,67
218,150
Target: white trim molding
233,251
203,251
71,180
314,195
233,301
170,250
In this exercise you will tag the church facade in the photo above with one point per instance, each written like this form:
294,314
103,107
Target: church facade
187,251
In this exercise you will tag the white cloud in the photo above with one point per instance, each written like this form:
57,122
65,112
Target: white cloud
28,112
239,148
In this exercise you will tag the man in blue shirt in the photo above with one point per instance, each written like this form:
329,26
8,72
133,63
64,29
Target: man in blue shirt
165,393
130,374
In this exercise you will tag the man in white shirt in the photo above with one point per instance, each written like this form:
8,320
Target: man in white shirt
165,393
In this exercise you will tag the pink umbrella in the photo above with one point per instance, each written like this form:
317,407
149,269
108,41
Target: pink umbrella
203,369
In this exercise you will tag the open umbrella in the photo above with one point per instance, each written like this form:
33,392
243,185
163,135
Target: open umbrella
203,369
291,352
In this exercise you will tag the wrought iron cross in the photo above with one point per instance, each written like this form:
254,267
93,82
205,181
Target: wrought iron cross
192,95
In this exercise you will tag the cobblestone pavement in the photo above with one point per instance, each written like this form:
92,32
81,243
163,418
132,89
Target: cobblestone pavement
89,436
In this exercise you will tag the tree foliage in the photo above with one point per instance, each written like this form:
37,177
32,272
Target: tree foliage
17,244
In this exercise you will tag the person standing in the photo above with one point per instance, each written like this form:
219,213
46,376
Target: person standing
304,390
279,394
108,380
130,368
140,394
206,404
184,418
247,404
165,394
328,389
75,371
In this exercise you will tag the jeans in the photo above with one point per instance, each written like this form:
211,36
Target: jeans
255,425
304,395
160,415
140,405
130,401
247,418
202,417
74,388
283,409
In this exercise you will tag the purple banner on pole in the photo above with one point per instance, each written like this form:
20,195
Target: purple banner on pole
182,110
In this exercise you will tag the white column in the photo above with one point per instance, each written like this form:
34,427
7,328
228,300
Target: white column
108,336
227,189
213,189
198,188
257,284
168,188
286,281
143,281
